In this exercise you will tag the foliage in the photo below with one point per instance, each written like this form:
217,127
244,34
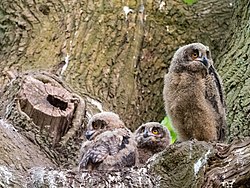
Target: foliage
166,122
190,2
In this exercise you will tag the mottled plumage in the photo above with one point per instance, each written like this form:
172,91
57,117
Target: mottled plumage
193,95
110,145
151,138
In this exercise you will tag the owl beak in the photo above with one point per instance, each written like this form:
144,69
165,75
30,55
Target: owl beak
145,134
203,61
88,134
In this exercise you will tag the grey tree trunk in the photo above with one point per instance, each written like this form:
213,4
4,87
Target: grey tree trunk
110,59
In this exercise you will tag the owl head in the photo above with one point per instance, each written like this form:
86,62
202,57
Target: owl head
152,136
102,122
193,57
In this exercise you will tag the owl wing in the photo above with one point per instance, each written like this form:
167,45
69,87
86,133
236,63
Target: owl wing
123,151
218,83
106,151
94,154
218,105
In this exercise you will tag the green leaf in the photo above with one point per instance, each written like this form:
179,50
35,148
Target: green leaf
190,2
167,123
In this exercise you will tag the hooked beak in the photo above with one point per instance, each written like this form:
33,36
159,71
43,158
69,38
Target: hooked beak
145,134
88,134
203,61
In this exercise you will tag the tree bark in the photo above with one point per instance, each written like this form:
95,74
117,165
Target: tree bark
51,108
188,164
235,71
100,53
56,130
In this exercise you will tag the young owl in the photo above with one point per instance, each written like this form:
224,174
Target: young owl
110,145
193,95
151,138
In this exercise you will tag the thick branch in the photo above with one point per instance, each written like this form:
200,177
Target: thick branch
184,165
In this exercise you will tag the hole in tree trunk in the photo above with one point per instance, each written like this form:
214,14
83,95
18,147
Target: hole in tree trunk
57,102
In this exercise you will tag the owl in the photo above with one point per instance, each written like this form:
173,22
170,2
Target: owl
193,95
151,138
109,146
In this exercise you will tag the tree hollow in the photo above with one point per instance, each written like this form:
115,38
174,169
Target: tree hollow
50,107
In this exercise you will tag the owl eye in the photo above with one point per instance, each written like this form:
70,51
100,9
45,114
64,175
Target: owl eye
95,126
99,124
142,129
195,55
208,54
155,131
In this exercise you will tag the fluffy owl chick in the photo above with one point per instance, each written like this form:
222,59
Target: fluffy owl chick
110,145
151,138
193,95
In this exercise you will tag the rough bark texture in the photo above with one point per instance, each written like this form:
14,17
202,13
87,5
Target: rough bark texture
102,51
119,58
51,108
235,70
60,141
188,164
12,142
230,166
201,164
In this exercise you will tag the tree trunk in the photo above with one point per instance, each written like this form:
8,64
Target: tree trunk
113,56
235,70
100,50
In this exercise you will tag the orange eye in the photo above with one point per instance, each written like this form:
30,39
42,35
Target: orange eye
194,55
155,131
95,126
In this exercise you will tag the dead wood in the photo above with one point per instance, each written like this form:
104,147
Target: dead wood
46,111
51,108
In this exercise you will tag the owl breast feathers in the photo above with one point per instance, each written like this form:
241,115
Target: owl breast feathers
111,145
193,95
151,138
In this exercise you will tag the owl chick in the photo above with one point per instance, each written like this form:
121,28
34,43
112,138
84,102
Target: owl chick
110,145
193,95
151,138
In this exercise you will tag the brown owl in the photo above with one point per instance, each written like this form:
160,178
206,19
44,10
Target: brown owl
110,145
151,138
193,95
